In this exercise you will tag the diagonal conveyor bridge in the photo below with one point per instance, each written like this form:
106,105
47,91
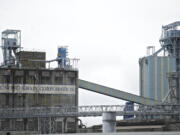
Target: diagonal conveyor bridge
116,93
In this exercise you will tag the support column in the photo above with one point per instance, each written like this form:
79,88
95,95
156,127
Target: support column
109,122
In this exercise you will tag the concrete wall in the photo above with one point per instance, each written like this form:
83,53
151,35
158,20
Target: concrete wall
37,77
25,56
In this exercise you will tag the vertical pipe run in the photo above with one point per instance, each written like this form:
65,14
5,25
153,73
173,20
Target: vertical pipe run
109,122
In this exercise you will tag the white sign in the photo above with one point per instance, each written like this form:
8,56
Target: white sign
37,88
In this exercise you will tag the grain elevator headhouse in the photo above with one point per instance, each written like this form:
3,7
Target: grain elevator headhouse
26,82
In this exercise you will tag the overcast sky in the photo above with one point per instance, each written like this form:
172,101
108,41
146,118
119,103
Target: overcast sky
108,36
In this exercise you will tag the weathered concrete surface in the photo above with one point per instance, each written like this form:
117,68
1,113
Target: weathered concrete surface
109,122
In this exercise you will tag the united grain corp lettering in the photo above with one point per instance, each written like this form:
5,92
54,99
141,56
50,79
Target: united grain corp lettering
44,89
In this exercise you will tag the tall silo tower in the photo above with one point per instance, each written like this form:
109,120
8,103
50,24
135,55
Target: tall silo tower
159,71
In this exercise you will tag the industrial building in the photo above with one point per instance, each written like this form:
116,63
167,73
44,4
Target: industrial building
159,71
41,99
26,82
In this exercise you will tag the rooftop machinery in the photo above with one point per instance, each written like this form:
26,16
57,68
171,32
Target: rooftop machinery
11,44
170,41
63,60
62,56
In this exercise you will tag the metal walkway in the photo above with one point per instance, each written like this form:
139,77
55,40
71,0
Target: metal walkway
116,93
86,111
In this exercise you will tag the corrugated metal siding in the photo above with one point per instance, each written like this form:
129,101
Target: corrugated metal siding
153,79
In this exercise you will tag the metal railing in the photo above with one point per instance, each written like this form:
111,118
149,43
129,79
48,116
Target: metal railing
86,111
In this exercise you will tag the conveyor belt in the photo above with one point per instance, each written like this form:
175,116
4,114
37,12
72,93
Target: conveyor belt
116,93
